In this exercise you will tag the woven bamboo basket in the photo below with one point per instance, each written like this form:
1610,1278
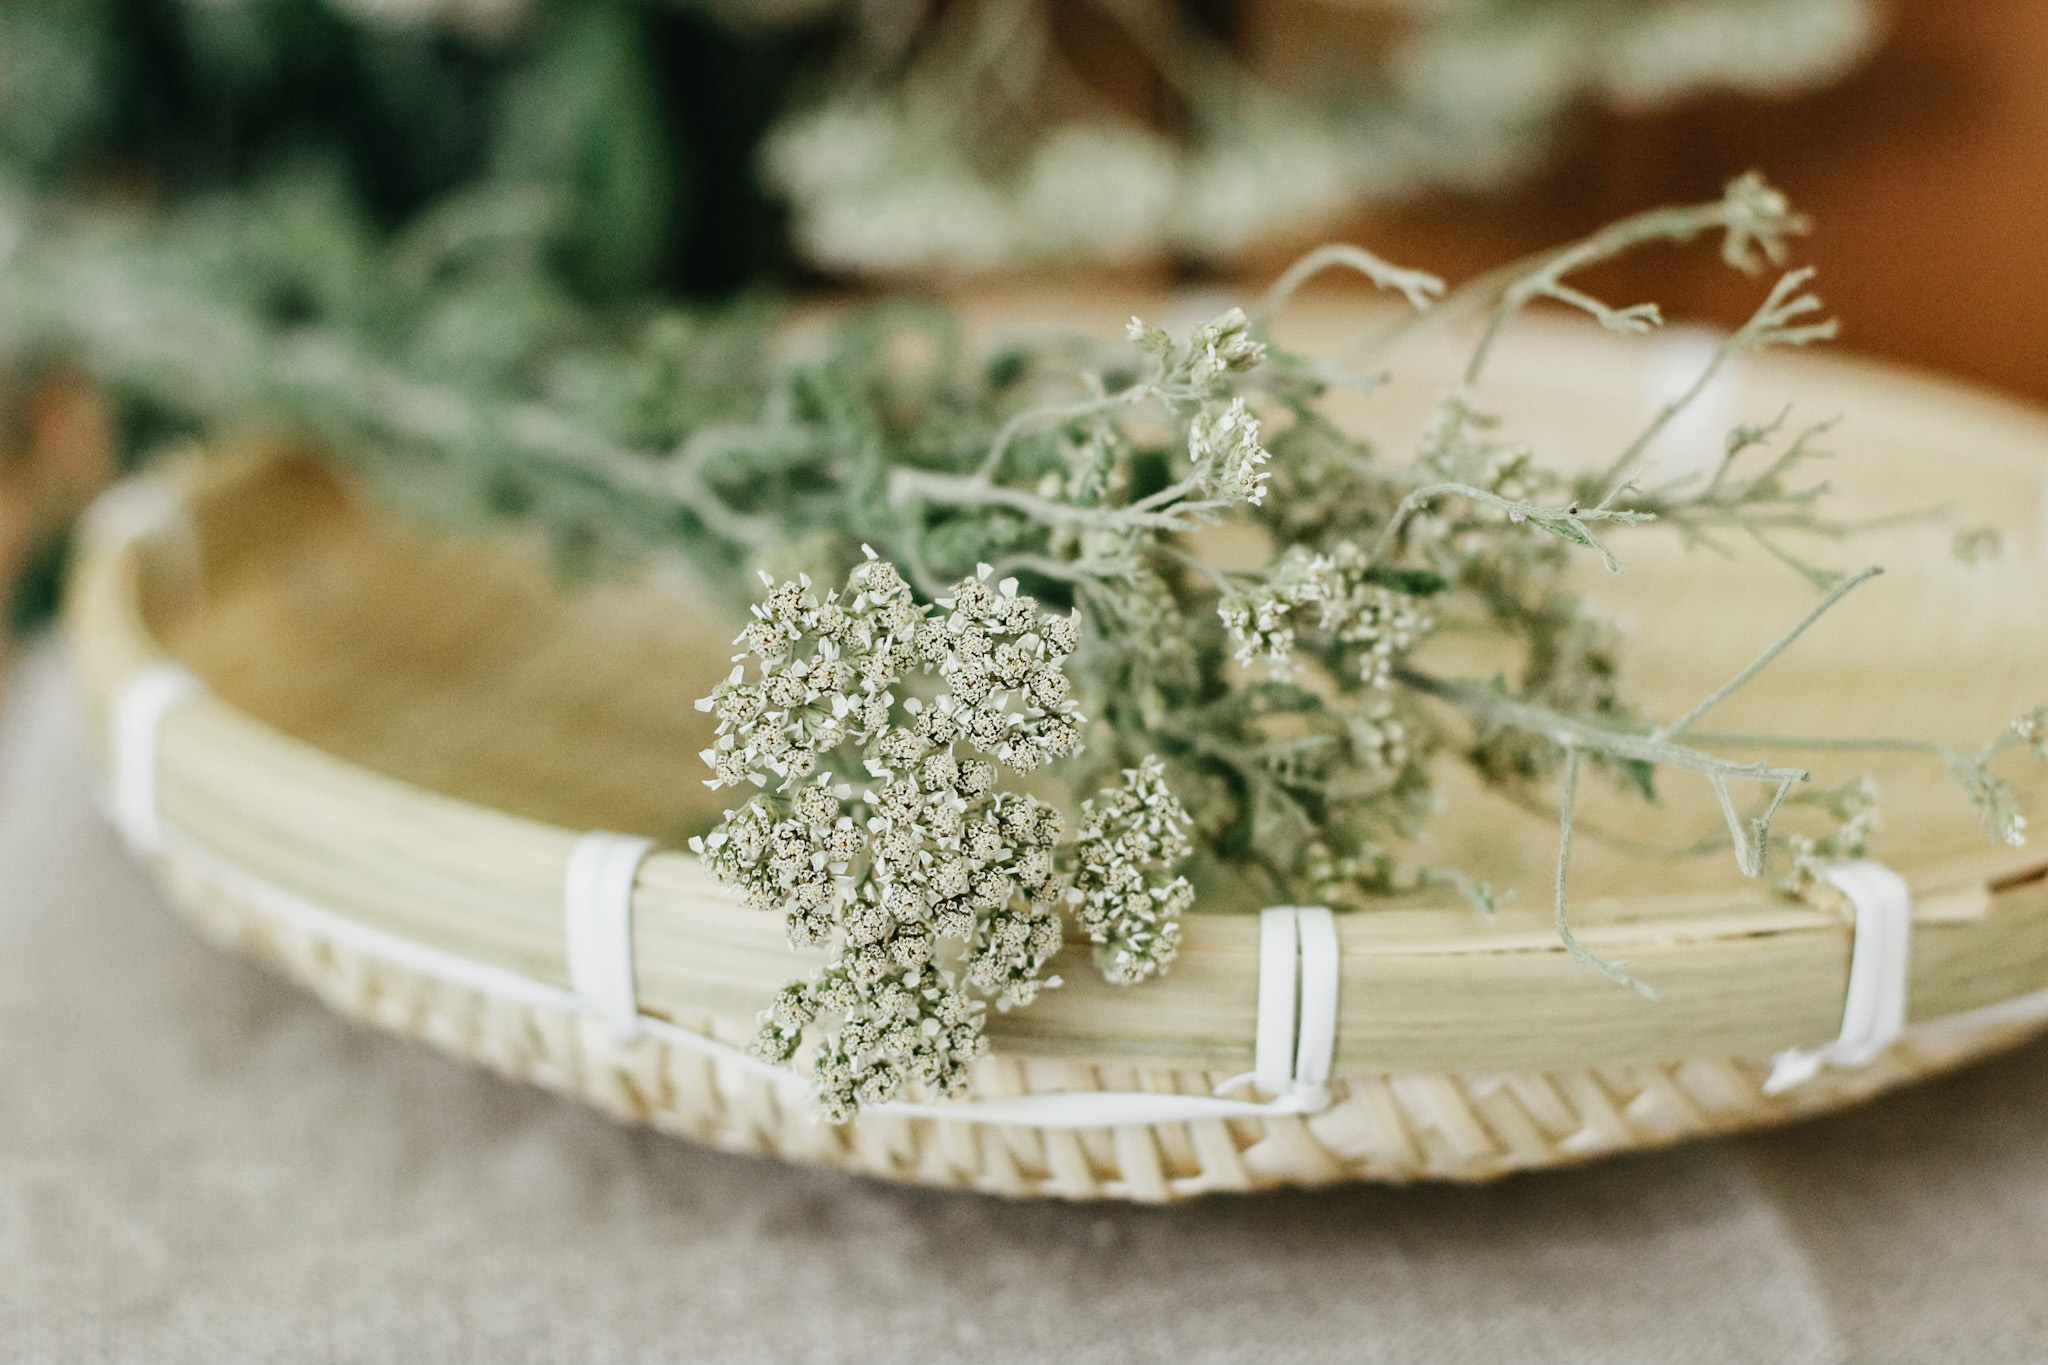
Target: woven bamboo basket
400,739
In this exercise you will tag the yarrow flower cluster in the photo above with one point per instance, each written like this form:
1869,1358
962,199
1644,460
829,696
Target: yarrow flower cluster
1993,796
1372,626
1126,840
1225,447
1854,809
1223,346
921,849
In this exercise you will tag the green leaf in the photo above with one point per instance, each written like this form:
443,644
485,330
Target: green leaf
1638,776
1413,582
1564,530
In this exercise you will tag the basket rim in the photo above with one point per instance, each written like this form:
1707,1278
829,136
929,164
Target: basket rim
1425,990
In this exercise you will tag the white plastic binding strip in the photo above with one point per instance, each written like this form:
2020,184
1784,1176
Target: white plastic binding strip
136,721
1880,958
1052,1109
1279,973
597,920
1321,980
1298,985
1298,960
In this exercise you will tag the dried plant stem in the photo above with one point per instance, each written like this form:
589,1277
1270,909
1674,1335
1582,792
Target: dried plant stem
1575,734
1732,213
1567,798
1773,323
1763,660
1054,414
1568,521
954,490
1947,753
1419,287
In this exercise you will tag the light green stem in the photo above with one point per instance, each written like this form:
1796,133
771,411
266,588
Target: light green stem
1763,660
1056,413
954,490
1680,224
1419,287
1567,799
1765,324
1570,732
1571,518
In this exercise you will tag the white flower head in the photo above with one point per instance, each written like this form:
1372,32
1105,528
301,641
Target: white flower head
1130,839
1333,599
1217,348
1223,346
1226,445
1147,338
927,849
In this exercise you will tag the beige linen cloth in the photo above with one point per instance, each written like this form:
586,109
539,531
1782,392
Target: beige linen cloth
199,1163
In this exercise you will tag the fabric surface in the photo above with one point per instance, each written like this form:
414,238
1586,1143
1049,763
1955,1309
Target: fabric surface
199,1163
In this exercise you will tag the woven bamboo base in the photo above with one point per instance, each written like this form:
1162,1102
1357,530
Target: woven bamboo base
1400,1128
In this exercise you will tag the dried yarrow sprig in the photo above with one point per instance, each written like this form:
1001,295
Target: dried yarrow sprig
880,831
1295,706
1335,602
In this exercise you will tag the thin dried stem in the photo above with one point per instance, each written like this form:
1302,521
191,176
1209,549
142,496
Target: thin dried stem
1567,799
1763,660
1419,287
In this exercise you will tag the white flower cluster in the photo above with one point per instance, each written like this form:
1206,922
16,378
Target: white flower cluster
1373,625
1126,841
827,669
1225,446
1993,797
925,849
1378,738
2033,728
1224,345
1853,806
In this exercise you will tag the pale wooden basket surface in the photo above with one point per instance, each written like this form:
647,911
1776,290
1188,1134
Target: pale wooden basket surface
412,732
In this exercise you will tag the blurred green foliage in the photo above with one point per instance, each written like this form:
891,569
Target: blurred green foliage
637,122
465,205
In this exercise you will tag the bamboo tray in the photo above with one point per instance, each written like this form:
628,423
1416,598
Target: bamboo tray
408,734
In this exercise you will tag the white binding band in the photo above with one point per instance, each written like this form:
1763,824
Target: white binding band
1321,979
135,723
1880,959
597,920
1297,1016
1279,973
1299,961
